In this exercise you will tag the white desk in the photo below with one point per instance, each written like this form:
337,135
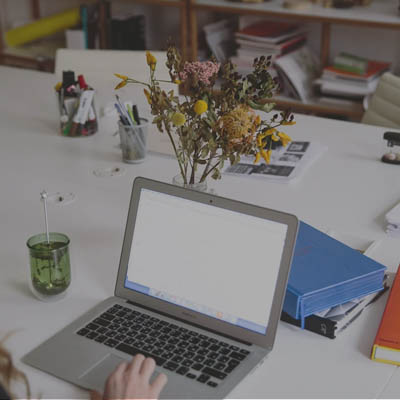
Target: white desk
348,190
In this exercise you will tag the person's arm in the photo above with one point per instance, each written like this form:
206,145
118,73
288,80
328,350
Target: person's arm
132,381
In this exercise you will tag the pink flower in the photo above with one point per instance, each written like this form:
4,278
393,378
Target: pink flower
203,70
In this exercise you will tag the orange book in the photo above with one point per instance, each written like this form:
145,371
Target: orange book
374,69
386,347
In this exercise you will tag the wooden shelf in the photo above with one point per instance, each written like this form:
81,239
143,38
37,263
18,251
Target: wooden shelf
351,110
163,3
381,14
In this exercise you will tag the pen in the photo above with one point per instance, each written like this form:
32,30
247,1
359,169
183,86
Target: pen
122,117
123,111
131,114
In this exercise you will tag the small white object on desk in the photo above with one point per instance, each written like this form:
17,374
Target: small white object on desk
393,221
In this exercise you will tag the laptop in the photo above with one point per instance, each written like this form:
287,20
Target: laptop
199,288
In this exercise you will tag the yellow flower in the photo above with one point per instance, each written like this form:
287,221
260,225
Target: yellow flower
58,86
285,139
264,134
148,96
200,107
239,124
269,132
288,123
266,155
123,77
178,119
151,60
120,85
177,81
257,159
274,138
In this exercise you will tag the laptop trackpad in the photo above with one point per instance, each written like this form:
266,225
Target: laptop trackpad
97,375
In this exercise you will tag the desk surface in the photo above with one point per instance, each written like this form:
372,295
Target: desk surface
348,190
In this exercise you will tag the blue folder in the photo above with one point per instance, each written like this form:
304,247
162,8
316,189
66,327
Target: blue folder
326,273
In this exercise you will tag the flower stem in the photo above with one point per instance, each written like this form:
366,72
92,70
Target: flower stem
204,176
183,173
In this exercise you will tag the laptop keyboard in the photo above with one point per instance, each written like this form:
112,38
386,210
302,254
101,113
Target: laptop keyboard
174,348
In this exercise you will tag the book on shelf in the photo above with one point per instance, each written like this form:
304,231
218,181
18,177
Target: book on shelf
297,71
353,90
338,82
326,273
219,38
257,49
270,32
351,63
286,164
375,68
386,347
333,321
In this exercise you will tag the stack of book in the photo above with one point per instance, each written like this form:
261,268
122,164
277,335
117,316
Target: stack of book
266,38
329,279
351,77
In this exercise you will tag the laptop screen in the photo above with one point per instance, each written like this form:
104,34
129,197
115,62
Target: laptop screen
204,258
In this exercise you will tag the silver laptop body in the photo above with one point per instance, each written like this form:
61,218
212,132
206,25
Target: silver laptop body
204,274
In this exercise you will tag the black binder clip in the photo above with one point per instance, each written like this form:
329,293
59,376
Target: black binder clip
393,139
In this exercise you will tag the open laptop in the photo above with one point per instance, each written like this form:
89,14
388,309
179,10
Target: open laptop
200,288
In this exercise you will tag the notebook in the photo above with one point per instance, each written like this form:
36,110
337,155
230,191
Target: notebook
326,273
386,346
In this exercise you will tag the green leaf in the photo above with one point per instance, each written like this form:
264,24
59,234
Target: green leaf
267,107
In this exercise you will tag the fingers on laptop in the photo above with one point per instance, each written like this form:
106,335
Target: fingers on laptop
158,384
114,387
147,368
135,365
132,380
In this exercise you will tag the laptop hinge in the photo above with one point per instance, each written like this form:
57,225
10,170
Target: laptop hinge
188,322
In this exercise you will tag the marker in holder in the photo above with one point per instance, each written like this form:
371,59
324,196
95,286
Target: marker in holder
76,104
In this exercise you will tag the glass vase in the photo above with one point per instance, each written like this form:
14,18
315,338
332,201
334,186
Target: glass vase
199,186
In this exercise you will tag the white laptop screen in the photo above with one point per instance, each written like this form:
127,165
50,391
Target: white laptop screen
215,261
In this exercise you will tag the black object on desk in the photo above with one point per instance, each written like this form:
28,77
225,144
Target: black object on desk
393,139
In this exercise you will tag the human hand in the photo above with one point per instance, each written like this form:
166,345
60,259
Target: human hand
132,381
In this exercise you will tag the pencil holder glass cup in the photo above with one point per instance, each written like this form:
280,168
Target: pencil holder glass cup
50,270
133,141
78,115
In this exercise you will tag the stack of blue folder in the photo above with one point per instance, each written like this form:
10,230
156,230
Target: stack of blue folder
326,273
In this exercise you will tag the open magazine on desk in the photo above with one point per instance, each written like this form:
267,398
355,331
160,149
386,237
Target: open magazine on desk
286,163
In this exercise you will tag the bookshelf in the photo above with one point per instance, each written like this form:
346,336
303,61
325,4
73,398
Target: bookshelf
25,59
380,14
